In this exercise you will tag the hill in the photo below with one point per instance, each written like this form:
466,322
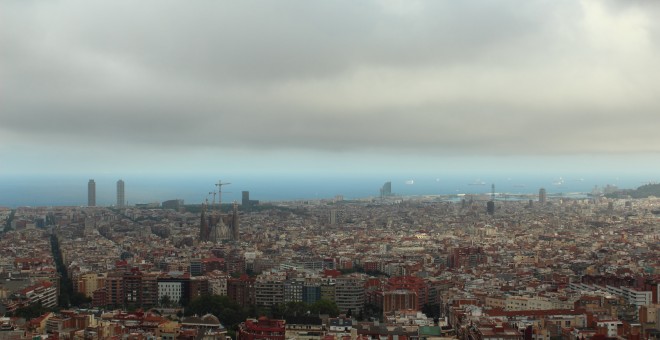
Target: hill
645,191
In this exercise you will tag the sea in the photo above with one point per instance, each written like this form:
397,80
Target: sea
71,190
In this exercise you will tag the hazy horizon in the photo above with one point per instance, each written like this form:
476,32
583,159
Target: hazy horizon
72,190
253,89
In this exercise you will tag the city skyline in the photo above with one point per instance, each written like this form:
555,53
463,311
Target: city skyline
329,88
326,170
70,191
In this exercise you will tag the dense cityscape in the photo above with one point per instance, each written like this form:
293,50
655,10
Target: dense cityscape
394,267
391,170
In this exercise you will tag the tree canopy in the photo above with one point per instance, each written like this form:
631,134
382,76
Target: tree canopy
228,312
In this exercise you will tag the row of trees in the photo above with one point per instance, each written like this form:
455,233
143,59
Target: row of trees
35,310
68,296
231,314
359,269
31,311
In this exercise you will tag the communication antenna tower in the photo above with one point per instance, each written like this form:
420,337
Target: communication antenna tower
492,193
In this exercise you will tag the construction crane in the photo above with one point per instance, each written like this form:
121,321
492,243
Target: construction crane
220,185
212,193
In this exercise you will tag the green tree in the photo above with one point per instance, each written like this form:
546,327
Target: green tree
372,311
80,299
293,309
66,285
30,312
277,311
165,301
255,311
325,307
228,312
431,310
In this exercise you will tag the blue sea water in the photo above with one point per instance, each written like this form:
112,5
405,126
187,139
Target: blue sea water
72,190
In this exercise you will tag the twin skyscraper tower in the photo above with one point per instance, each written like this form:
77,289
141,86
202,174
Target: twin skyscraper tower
91,194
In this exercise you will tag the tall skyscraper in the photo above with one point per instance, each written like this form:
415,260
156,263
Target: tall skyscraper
247,203
386,190
120,194
91,193
246,199
542,195
333,216
490,205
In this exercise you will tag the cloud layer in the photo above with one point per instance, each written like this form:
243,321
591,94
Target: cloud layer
445,77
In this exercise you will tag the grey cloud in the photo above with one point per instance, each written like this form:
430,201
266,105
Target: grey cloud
450,129
216,74
280,40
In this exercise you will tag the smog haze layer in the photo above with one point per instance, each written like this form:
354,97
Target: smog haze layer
283,91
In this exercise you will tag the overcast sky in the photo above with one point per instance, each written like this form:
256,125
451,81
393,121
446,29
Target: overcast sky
104,87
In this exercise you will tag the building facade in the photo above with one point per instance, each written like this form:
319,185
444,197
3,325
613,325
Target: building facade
263,328
542,195
349,294
121,199
91,193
